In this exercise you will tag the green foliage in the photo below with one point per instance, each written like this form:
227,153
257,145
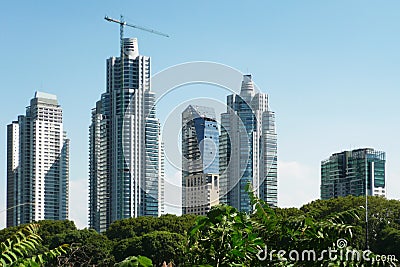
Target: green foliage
133,261
160,246
9,232
127,247
21,249
225,237
20,245
50,228
288,212
388,242
89,247
383,217
128,228
161,239
163,246
300,232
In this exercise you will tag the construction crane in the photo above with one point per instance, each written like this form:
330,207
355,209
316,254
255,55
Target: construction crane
123,23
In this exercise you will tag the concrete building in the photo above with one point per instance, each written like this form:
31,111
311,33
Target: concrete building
37,163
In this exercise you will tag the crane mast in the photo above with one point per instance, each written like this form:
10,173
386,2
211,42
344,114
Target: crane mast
122,23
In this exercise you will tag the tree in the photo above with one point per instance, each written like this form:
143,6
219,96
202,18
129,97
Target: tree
127,247
383,214
299,232
131,227
388,242
226,237
159,246
163,246
89,247
50,228
21,249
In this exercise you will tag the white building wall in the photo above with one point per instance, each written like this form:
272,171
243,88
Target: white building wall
43,189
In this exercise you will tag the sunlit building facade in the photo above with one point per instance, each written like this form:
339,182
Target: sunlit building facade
37,163
126,160
248,149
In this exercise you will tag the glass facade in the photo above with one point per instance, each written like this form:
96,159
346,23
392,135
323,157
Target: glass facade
126,175
248,149
351,172
200,160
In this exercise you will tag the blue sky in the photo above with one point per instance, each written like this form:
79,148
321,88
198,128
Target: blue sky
331,69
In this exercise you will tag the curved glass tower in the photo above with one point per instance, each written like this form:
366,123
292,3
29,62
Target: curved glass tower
126,159
248,149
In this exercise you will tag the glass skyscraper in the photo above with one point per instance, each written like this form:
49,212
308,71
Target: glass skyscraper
248,149
37,163
348,173
126,153
200,160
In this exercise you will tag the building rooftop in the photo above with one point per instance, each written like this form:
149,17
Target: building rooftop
45,95
358,153
247,88
199,111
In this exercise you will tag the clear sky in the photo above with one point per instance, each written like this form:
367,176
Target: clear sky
331,69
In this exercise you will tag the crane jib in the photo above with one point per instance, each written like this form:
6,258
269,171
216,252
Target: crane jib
123,23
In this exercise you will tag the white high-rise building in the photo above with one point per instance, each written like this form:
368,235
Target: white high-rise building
37,163
248,149
126,153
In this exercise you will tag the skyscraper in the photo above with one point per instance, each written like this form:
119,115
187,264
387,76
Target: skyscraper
348,173
37,163
248,149
200,172
126,153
